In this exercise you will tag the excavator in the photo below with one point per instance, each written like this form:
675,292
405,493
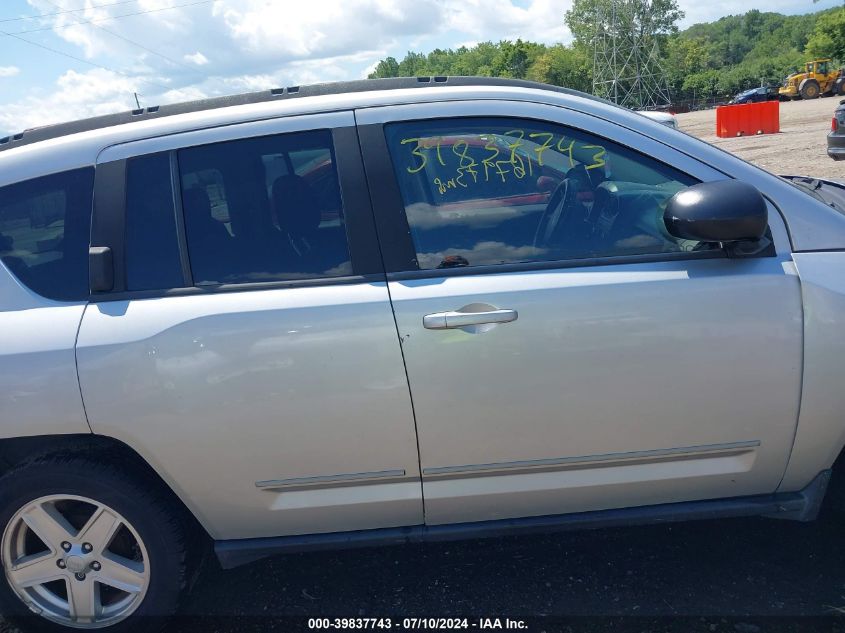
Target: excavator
818,78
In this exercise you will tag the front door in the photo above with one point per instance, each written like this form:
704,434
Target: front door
564,352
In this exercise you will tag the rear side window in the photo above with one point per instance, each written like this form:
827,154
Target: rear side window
152,248
44,233
493,191
264,209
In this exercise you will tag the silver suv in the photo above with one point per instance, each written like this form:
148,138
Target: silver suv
389,311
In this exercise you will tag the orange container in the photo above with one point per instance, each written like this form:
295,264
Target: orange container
748,119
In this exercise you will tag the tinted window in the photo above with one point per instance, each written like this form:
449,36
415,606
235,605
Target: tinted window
152,249
264,209
494,191
44,232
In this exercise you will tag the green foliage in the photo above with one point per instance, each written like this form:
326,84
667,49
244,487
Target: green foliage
657,17
828,38
706,61
563,66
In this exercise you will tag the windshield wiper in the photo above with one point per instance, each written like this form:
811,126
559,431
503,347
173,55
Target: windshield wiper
815,187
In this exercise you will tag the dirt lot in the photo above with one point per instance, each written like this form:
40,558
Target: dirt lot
799,149
729,576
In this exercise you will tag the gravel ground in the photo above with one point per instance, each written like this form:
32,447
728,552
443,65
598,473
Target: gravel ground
727,575
799,149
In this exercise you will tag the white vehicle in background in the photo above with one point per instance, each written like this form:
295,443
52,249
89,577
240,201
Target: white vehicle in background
666,118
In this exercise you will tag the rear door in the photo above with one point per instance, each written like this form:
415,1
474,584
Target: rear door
248,350
44,228
564,352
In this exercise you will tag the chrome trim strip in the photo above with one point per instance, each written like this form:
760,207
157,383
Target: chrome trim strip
682,451
328,479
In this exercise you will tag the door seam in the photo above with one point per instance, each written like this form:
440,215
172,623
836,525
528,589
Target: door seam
76,366
400,339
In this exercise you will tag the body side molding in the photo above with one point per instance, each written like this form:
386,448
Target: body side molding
608,459
801,506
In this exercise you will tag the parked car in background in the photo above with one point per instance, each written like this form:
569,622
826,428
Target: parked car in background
755,95
393,311
836,136
666,118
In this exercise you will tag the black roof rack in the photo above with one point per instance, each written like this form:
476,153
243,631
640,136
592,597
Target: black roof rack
38,134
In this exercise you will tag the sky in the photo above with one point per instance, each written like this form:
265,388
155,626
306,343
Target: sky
67,59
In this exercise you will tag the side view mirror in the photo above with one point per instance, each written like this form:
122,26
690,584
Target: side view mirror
721,211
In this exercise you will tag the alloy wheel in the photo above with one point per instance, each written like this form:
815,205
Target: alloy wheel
75,561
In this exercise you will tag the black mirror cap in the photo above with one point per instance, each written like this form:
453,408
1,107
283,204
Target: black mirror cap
720,211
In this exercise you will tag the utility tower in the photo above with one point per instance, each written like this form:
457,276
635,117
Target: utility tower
626,64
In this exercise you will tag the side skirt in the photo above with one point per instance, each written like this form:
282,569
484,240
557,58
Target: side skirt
800,506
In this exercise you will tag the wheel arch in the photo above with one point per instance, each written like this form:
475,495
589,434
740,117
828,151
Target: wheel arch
805,82
15,451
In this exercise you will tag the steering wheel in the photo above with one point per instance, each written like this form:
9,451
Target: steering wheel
561,197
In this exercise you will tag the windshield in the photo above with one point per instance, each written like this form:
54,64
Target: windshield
830,193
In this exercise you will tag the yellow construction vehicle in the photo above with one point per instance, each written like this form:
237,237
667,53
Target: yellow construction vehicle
818,78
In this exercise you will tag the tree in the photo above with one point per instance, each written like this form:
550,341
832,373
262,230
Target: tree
513,58
655,17
563,66
413,65
828,38
685,56
388,67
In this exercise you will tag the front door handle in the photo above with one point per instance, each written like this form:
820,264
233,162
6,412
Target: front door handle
458,319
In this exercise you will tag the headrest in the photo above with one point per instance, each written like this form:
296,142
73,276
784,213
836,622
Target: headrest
196,203
297,206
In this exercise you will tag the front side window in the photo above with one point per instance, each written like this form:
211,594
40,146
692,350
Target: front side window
492,191
264,209
44,233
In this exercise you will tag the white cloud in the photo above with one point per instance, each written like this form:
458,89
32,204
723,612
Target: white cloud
539,21
483,254
197,58
9,71
232,46
82,94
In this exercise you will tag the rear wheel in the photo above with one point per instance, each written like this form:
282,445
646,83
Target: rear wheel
86,546
810,89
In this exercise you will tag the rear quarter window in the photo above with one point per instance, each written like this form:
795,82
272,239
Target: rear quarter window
44,233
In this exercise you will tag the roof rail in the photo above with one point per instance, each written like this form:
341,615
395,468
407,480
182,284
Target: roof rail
35,135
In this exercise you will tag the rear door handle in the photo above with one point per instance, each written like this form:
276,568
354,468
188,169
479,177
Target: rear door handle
456,319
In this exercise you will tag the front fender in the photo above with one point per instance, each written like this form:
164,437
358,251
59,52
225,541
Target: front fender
820,434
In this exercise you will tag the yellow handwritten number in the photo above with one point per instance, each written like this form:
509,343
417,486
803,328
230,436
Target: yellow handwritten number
418,152
598,157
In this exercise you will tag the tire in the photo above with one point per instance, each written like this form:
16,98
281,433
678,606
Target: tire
149,547
810,89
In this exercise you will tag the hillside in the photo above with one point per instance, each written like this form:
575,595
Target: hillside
703,63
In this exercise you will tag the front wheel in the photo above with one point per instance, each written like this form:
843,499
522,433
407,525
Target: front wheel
85,545
810,90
